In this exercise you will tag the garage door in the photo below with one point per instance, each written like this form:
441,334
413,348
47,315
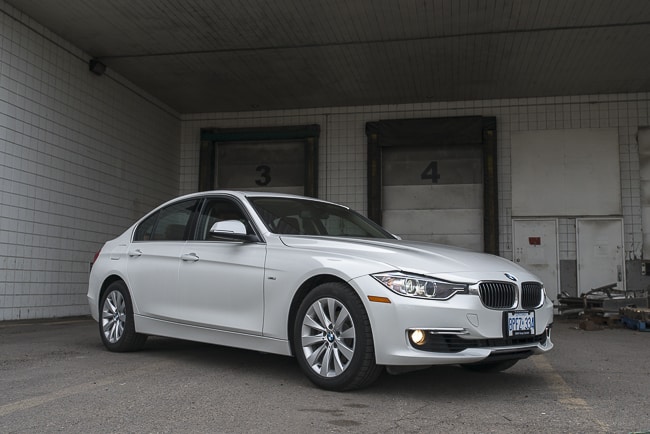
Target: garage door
272,159
435,179
269,166
434,194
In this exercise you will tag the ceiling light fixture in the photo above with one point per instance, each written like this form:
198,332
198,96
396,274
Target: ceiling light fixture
96,67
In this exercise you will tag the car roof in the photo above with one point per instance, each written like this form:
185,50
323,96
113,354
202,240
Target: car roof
246,194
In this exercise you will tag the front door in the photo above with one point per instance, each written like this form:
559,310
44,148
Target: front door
222,282
601,260
536,249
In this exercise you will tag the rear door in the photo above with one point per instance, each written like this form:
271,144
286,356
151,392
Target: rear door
154,256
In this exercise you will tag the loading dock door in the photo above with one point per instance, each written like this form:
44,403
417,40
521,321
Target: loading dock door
434,194
437,169
536,248
600,251
274,159
277,167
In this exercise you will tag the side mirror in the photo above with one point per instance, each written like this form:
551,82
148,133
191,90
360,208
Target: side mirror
231,230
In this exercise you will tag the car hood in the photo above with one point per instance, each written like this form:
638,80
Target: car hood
412,256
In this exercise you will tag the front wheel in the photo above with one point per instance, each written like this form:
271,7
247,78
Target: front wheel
332,339
116,324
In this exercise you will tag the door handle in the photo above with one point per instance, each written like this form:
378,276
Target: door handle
135,253
190,257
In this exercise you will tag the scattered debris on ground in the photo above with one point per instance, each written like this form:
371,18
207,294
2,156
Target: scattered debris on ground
636,318
607,307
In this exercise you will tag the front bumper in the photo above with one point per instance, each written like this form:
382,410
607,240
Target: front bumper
458,330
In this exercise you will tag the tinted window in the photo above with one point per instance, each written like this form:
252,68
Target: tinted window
145,229
309,217
216,210
168,224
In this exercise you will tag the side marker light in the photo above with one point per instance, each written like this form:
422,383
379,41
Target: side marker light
378,299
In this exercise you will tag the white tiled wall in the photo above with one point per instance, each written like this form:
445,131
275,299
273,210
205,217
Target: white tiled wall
81,157
343,146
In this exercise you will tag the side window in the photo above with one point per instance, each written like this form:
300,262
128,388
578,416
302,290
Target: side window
216,210
340,227
144,231
168,224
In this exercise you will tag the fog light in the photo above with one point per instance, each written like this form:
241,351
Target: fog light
418,337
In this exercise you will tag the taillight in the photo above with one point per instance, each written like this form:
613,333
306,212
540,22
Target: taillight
95,257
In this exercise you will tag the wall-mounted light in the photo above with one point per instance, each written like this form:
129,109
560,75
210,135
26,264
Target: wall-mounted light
96,67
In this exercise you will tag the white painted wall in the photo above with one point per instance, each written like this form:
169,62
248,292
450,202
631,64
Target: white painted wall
644,178
569,172
81,157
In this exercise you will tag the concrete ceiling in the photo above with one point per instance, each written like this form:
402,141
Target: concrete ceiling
237,55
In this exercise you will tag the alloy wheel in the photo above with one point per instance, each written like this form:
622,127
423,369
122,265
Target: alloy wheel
114,316
328,337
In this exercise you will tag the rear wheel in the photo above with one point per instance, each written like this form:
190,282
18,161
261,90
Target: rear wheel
116,324
491,366
332,339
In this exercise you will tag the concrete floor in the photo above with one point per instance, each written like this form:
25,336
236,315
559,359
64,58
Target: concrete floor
55,376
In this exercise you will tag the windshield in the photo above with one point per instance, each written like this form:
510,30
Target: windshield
294,216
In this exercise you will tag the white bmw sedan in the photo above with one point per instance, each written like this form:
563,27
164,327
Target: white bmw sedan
307,278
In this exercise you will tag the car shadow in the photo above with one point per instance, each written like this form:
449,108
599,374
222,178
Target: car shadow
436,381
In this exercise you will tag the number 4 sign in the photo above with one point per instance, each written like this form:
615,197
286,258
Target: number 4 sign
431,172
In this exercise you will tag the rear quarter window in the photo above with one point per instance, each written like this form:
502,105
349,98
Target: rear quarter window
168,224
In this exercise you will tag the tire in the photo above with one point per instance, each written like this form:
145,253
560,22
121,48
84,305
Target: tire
491,366
116,324
332,339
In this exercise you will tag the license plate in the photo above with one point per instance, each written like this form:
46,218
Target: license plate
520,323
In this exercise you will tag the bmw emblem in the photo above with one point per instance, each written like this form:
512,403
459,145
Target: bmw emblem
511,277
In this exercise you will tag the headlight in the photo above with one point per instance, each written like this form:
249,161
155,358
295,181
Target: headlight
420,286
